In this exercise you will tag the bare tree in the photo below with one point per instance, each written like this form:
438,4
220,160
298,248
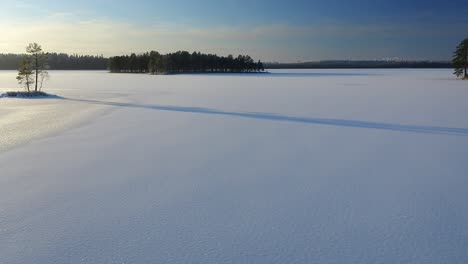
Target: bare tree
43,76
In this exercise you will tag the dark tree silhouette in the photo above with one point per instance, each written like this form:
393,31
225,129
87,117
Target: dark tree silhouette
460,59
25,76
182,62
39,63
58,61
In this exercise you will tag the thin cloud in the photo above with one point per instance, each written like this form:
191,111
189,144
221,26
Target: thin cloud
68,32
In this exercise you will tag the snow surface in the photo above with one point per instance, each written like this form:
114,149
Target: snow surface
319,166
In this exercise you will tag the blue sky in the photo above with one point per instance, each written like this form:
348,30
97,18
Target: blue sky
270,30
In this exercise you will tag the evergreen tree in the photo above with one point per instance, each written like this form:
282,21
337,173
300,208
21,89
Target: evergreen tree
182,61
25,74
260,66
59,61
39,63
460,59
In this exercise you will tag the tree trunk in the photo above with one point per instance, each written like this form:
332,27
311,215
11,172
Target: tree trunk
37,72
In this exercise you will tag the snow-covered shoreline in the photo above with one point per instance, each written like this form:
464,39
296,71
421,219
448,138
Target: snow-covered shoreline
280,168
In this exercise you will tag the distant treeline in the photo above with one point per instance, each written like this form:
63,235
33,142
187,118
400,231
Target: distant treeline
345,64
58,61
181,62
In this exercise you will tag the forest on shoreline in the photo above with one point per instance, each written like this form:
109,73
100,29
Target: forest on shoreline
58,61
136,63
361,64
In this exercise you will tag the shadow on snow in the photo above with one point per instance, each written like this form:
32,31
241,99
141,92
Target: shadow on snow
295,119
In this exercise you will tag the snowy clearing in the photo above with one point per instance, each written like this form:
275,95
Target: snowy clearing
313,166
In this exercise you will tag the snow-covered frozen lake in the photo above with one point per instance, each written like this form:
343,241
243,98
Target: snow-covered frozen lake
313,166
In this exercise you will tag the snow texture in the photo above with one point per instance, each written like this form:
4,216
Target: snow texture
314,166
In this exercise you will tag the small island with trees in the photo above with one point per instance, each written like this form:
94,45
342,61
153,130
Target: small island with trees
183,62
32,73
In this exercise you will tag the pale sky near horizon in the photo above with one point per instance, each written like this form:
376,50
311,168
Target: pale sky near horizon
271,30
